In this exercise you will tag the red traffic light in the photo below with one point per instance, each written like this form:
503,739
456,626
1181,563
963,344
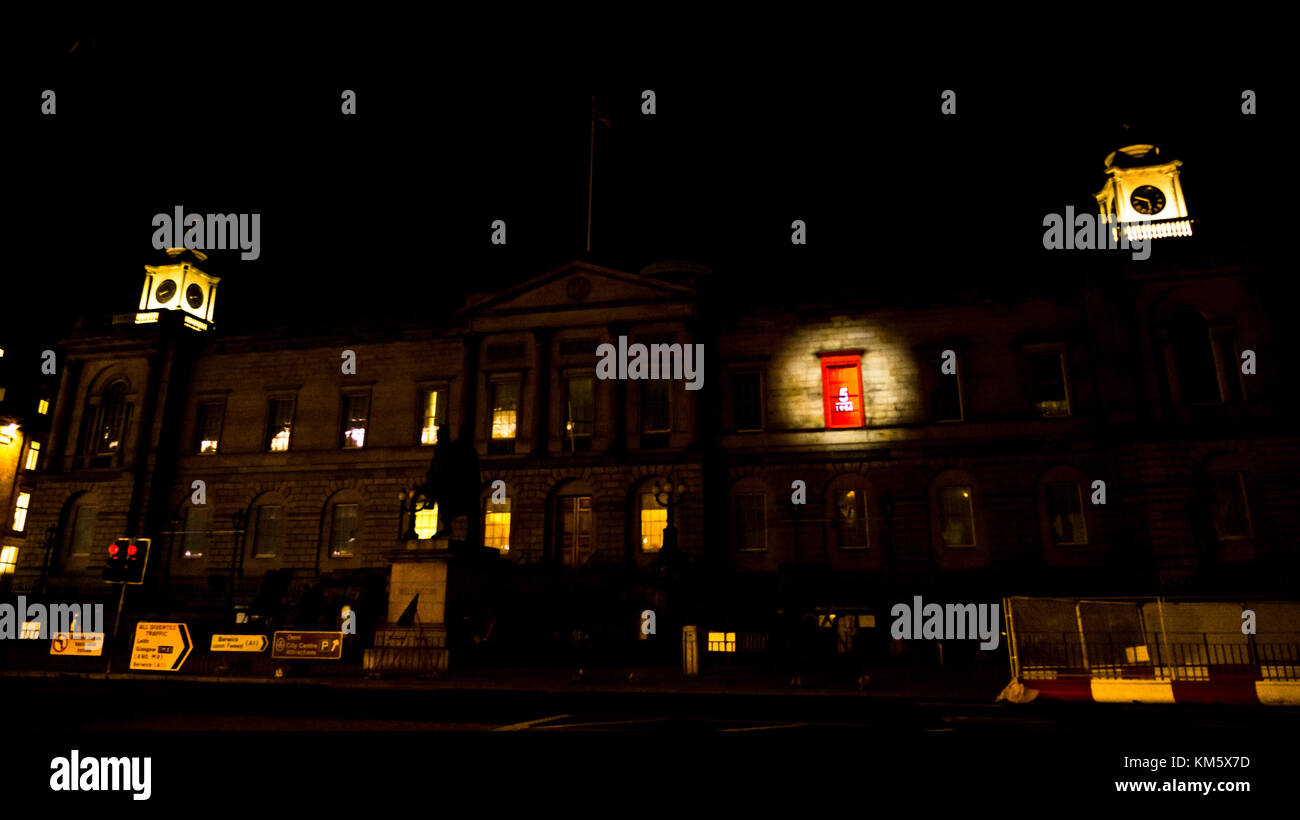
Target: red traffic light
112,549
131,550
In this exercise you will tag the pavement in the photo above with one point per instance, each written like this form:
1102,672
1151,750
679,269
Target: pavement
976,683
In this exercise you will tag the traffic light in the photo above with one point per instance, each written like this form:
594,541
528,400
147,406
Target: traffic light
127,558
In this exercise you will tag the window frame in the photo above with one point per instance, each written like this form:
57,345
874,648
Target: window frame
346,399
503,445
735,500
257,530
1063,360
831,397
199,430
350,552
1083,513
268,439
732,375
442,391
567,444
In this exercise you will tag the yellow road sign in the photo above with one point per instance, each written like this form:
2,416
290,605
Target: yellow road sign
91,644
160,647
238,643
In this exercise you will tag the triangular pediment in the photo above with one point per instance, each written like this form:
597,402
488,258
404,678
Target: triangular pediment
578,285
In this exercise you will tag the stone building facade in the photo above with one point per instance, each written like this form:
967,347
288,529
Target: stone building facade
1105,439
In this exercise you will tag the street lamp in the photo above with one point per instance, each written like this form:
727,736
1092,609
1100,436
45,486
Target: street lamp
413,502
671,497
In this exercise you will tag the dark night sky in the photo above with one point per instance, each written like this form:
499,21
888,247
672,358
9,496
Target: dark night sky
394,205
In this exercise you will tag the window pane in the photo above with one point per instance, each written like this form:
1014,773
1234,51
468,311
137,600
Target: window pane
655,410
842,392
197,532
210,417
751,522
112,414
945,400
654,519
431,405
578,412
356,411
8,560
505,407
1231,516
343,530
1194,358
850,518
268,531
747,401
956,517
20,511
1048,373
281,423
426,522
496,525
576,542
1065,513
83,529
33,455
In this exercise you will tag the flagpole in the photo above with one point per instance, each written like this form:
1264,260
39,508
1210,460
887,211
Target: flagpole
591,168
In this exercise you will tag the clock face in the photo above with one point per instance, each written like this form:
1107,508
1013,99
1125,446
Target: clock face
194,295
1148,199
166,290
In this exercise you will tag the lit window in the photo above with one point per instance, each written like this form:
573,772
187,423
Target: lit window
343,530
842,391
578,404
747,401
722,641
20,511
1228,506
8,560
426,522
83,529
1051,399
496,525
751,521
33,455
654,519
43,406
1065,513
197,532
431,415
2,394
850,518
280,425
956,517
505,409
211,415
356,411
266,539
576,542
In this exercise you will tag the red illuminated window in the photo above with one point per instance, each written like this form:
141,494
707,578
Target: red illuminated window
842,390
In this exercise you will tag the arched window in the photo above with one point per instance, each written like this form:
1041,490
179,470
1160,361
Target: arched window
1198,379
848,504
110,421
575,530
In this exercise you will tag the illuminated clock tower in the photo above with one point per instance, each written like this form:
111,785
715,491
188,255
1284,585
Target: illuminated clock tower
179,285
1142,195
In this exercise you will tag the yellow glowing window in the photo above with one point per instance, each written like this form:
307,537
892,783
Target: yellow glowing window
429,418
496,526
426,522
33,455
43,406
31,630
2,394
146,318
722,641
20,511
8,560
505,408
653,521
